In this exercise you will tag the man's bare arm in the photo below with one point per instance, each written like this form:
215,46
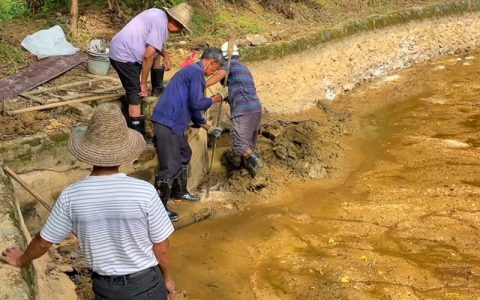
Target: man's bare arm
16,257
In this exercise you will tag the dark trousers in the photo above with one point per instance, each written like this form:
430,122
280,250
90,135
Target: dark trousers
173,152
129,74
146,284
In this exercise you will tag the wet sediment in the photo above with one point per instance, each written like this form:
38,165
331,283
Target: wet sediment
402,226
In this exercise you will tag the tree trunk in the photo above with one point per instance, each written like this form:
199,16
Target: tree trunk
74,17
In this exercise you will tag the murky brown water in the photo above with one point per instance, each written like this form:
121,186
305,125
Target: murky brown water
404,225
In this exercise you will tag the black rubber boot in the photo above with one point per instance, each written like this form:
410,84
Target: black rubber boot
252,163
179,187
163,188
156,77
137,123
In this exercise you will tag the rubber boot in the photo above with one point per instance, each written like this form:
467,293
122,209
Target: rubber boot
163,188
137,123
252,163
179,187
156,77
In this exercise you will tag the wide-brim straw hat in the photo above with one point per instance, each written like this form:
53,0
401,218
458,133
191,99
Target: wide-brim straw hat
182,13
106,141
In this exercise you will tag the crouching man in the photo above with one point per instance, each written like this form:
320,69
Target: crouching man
245,110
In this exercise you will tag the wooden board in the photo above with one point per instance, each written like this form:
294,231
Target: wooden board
41,72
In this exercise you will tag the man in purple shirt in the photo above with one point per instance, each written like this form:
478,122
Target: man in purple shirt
133,51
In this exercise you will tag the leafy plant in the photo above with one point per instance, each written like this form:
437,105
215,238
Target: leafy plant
48,6
10,9
167,3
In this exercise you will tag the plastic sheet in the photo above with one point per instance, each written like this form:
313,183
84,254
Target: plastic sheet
48,42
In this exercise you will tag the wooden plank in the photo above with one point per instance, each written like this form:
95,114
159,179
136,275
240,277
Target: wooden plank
41,72
33,98
58,104
59,87
65,98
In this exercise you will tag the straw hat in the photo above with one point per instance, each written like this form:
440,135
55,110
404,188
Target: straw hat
106,141
182,13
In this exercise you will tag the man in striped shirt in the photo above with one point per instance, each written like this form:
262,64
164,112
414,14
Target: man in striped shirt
245,110
120,222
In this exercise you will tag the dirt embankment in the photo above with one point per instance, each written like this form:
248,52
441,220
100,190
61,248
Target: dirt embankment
295,83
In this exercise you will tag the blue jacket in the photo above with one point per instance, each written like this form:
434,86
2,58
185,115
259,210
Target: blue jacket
182,100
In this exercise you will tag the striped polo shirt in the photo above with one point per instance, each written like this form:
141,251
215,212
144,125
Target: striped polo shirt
116,219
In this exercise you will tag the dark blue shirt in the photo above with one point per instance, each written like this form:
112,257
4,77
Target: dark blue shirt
242,94
183,100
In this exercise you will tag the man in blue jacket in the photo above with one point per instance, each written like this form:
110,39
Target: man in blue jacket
182,102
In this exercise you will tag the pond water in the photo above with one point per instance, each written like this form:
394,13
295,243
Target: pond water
403,225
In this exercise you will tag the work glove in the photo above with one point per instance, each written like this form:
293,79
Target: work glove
223,92
215,131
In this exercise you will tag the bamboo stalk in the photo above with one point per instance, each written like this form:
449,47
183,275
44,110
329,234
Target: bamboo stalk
59,87
63,103
86,94
27,187
230,44
21,220
33,98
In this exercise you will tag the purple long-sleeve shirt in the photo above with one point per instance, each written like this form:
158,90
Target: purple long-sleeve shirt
183,100
147,28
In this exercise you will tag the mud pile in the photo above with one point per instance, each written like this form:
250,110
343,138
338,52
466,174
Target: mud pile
292,150
21,125
25,124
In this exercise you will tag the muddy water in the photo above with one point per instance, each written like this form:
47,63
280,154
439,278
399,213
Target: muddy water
403,225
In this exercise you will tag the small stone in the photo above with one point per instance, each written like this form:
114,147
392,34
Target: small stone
81,109
256,39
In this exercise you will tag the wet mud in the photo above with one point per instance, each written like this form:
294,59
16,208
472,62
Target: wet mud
402,225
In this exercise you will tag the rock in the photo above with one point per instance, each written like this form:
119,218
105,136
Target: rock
391,78
256,39
330,93
348,87
455,144
241,43
81,109
317,171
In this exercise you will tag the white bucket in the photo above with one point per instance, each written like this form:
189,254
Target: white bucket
98,63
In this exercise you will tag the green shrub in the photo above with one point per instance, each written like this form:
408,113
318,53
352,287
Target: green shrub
10,9
48,6
166,3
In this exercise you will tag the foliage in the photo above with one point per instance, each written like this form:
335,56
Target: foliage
10,9
291,9
166,3
48,6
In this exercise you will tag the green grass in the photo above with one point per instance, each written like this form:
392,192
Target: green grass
13,57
